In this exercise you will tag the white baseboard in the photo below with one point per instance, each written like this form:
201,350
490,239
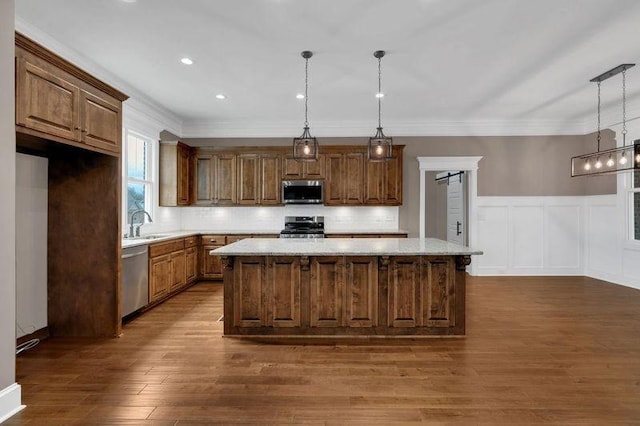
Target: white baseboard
10,401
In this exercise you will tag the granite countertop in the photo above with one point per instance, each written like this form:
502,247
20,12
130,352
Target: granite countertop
343,246
166,236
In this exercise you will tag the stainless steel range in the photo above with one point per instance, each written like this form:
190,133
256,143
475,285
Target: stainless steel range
303,227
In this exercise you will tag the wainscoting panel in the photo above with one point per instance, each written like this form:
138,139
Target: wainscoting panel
543,235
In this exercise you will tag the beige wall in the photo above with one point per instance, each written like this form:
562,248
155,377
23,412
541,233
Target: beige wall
436,207
511,165
7,193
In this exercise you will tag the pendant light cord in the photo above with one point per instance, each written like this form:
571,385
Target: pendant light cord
598,138
379,93
624,108
306,91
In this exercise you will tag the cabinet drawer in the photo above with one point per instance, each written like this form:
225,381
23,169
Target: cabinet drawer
218,240
234,238
191,241
166,247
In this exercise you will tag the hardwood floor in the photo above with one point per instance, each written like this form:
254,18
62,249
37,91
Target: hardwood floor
557,350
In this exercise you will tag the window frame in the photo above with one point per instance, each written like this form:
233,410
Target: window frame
150,183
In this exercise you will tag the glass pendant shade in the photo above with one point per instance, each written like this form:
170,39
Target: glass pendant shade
380,147
305,147
609,161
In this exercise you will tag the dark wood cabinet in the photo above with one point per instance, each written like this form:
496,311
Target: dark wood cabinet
249,292
211,266
283,291
215,179
383,180
326,291
344,185
55,100
191,264
248,179
177,270
159,277
294,169
175,174
361,291
344,295
269,180
259,179
253,176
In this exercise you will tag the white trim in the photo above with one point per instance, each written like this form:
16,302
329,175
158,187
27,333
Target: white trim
138,100
468,164
232,129
10,401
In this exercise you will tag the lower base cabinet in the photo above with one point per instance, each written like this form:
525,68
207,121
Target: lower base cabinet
191,264
343,295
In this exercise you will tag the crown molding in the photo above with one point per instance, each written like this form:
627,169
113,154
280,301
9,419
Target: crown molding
213,129
137,100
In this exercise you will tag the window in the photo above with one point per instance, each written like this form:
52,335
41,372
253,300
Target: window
635,206
138,175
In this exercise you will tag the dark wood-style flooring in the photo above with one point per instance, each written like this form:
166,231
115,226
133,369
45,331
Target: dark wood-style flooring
561,350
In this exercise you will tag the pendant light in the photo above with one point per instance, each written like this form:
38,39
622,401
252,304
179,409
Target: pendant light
621,159
380,146
305,147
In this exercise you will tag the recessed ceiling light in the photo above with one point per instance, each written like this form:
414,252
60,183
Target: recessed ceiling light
379,95
220,96
299,96
129,1
186,61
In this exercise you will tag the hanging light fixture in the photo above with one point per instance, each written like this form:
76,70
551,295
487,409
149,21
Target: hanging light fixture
380,146
621,159
305,147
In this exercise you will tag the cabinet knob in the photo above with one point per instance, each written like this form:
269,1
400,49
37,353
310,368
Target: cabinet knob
212,240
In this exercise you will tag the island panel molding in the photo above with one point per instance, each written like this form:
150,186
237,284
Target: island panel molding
344,287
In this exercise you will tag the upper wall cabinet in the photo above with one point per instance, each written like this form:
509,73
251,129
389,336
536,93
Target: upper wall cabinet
294,169
254,175
175,174
57,101
215,179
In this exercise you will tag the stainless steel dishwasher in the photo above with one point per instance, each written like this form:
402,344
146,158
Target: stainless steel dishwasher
135,278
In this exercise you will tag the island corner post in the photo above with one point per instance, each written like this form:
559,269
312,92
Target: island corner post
344,295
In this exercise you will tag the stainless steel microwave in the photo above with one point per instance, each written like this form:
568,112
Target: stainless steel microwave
302,192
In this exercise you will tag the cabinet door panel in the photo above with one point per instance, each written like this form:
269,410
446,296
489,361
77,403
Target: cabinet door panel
354,183
362,291
248,291
159,276
225,182
393,179
204,179
404,278
327,287
314,169
210,266
438,297
291,169
47,102
284,296
191,264
335,183
248,179
374,179
177,270
101,122
270,180
183,177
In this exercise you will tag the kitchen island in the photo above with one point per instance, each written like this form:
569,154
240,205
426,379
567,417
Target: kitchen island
344,287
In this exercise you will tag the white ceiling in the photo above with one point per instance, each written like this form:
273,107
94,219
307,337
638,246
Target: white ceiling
465,66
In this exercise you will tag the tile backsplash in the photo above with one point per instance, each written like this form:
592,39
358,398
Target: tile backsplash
271,219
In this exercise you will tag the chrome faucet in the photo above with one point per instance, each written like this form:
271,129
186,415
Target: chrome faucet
137,232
